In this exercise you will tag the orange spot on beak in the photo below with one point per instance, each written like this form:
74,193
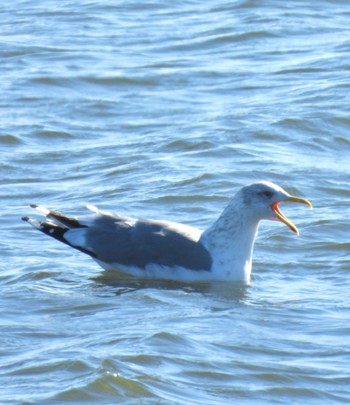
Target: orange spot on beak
279,216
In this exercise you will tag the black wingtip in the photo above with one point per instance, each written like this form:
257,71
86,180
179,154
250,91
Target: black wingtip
25,219
34,205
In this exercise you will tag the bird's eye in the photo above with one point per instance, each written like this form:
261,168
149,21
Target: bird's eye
266,193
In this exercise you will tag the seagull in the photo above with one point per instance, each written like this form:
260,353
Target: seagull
167,250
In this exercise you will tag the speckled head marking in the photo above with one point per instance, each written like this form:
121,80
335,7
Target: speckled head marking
263,199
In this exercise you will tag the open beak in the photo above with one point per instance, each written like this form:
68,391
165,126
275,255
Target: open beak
281,217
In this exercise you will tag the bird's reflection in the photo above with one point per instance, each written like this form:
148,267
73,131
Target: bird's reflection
121,284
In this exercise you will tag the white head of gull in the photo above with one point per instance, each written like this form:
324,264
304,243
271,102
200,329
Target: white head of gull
231,238
169,250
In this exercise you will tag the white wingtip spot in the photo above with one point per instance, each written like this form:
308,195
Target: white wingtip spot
35,223
41,209
92,208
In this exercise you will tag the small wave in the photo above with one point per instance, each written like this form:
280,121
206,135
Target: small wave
183,145
52,134
166,199
299,70
106,385
215,40
121,80
10,140
52,81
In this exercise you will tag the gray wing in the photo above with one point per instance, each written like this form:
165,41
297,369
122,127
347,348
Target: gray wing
115,239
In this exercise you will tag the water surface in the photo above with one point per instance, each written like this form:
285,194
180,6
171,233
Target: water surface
164,110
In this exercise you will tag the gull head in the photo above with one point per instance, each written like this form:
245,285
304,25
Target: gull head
262,200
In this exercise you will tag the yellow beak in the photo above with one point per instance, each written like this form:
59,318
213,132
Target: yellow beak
281,217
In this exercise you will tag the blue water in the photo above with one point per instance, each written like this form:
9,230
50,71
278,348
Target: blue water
164,110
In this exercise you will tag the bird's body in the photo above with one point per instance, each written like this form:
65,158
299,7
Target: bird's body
169,250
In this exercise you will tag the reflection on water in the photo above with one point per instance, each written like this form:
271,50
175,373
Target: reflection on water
122,284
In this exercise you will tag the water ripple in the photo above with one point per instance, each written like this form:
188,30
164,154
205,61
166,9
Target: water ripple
164,111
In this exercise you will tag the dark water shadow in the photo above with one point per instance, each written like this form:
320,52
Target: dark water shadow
121,285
